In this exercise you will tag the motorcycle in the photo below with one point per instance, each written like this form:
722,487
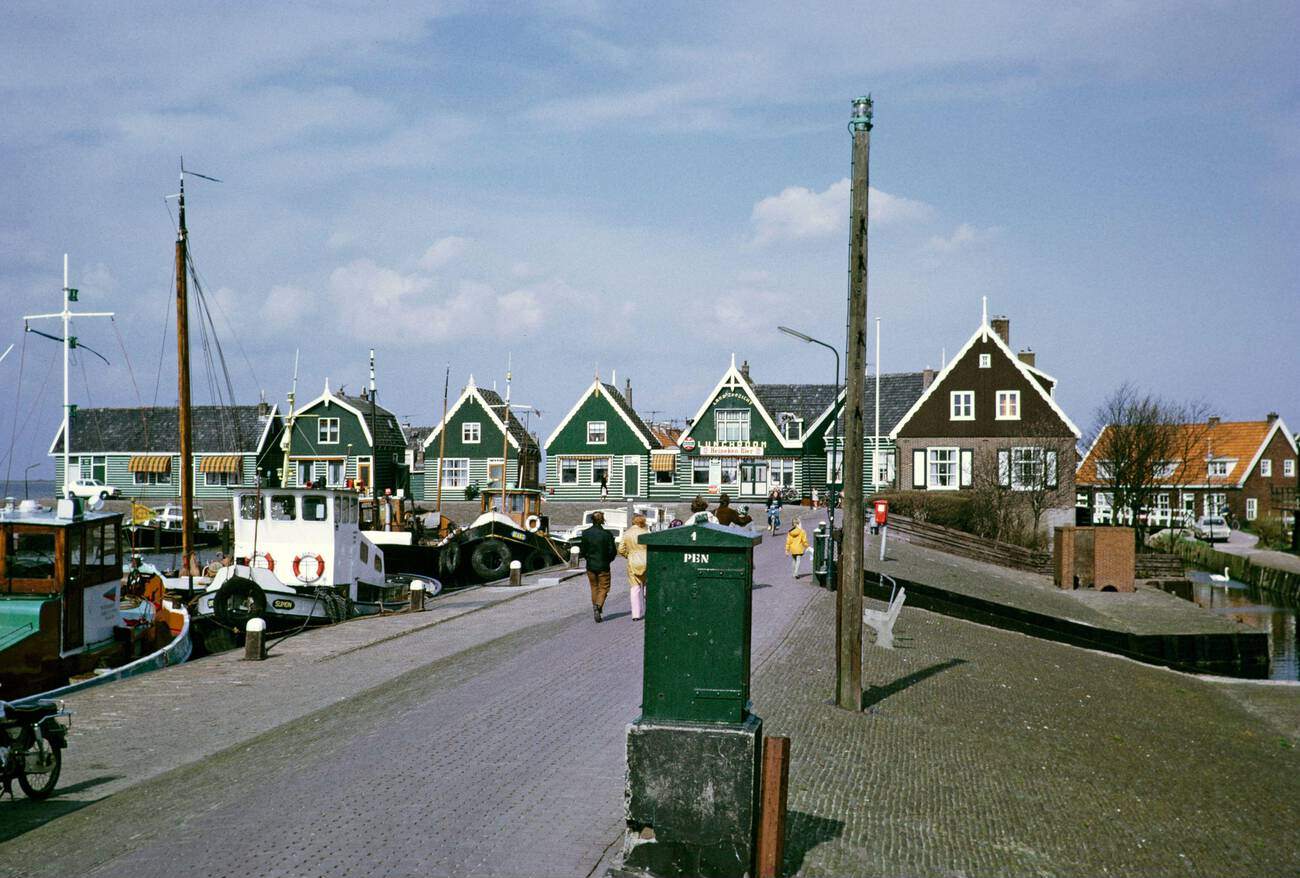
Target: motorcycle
32,741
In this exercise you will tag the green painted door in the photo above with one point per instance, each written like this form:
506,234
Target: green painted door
631,479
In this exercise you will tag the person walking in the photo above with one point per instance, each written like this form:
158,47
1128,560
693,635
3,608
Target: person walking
630,548
796,544
597,546
604,485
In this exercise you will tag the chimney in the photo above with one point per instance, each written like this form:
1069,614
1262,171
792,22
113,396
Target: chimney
1272,416
1002,326
927,378
744,369
627,392
1027,356
1213,421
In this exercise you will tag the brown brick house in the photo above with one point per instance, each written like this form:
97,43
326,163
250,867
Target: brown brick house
1248,468
991,415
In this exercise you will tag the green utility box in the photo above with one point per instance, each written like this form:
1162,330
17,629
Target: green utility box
699,581
823,545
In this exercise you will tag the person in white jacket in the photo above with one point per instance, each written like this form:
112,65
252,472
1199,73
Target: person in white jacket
630,548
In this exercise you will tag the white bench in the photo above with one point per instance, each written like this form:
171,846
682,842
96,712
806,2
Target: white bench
882,621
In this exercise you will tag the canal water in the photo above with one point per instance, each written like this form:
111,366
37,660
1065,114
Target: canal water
1249,606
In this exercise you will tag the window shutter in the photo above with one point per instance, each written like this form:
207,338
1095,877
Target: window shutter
1051,468
1004,467
918,468
967,464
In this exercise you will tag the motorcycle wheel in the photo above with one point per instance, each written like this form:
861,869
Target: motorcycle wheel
44,785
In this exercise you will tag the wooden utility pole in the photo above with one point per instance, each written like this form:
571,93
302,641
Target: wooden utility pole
848,621
183,381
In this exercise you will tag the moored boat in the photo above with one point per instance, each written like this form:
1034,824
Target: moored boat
301,559
511,527
64,610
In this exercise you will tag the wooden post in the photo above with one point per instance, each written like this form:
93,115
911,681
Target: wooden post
771,815
183,381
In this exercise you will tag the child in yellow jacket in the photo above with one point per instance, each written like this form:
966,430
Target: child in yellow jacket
796,543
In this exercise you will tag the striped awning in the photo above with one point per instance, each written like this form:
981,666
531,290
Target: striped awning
150,463
583,456
663,461
220,463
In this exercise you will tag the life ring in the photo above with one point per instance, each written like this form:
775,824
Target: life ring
533,523
263,560
305,573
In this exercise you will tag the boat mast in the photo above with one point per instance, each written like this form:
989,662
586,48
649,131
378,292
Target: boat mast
442,438
286,440
69,342
505,439
183,380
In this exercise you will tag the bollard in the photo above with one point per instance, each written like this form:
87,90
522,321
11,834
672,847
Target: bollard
573,557
516,573
255,640
417,597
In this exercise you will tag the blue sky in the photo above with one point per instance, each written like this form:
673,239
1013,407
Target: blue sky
649,187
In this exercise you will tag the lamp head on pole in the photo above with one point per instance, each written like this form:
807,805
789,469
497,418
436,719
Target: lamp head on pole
862,112
796,333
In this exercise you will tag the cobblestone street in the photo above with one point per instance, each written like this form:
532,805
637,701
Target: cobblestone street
491,743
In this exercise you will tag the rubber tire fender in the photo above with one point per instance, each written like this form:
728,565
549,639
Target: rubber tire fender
491,560
449,560
233,592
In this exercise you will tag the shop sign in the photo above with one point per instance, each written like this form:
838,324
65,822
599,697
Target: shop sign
688,444
733,449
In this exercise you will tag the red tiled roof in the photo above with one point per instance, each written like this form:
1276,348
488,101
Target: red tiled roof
1235,441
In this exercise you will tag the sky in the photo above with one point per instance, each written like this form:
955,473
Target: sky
646,189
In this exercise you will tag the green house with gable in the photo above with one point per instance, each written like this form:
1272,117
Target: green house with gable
748,438
342,441
477,427
603,435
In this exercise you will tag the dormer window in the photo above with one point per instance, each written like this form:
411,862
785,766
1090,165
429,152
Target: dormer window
1219,468
791,427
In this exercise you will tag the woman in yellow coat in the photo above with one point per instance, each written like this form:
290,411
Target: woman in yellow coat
796,543
631,549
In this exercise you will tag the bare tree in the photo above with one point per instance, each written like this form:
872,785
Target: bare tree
994,505
1145,445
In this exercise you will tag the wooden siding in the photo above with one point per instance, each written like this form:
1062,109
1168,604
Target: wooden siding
1036,416
478,475
387,472
584,490
119,475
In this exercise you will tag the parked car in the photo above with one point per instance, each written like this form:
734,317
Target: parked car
89,489
1211,528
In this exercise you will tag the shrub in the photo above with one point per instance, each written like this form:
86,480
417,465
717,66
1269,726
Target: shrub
471,491
948,510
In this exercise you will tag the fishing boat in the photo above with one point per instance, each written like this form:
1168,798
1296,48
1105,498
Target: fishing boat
65,611
511,527
301,559
159,528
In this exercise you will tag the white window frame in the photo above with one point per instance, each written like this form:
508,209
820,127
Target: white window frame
781,472
1288,468
986,361
732,428
333,467
1011,410
597,432
325,429
791,427
566,465
1030,461
609,470
834,466
1105,469
298,471
1214,504
162,478
886,467
1266,468
1252,508
471,432
728,471
1218,468
961,407
222,479
701,466
950,463
455,472
495,464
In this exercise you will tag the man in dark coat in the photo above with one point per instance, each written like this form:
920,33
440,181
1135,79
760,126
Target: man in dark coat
597,546
726,515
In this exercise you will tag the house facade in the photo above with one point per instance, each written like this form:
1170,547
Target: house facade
990,416
138,449
602,437
338,441
825,439
478,426
1245,468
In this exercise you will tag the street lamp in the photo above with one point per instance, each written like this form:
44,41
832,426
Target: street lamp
836,453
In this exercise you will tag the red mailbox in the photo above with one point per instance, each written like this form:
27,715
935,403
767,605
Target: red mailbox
882,512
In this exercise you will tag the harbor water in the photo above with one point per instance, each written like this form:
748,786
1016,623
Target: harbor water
1249,606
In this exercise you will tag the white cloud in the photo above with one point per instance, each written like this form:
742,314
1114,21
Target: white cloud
285,307
965,235
443,251
798,213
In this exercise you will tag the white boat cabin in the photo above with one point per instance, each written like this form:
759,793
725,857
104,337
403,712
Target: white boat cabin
305,537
